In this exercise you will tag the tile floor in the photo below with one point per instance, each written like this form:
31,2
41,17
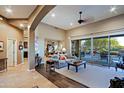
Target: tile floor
20,77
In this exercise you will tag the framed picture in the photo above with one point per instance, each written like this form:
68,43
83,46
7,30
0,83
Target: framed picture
25,44
1,46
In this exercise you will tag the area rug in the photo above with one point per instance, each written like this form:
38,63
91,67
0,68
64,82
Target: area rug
93,76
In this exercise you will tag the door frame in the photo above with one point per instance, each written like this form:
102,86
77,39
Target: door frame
15,51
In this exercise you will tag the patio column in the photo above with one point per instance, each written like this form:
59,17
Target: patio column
31,50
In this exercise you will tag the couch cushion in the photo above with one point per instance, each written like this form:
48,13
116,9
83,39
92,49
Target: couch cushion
62,58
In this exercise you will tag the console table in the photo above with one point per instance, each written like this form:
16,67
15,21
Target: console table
3,64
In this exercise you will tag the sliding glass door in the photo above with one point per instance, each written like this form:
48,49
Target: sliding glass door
100,51
75,48
105,51
116,49
85,48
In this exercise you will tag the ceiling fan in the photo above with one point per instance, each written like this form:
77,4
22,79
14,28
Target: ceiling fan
80,21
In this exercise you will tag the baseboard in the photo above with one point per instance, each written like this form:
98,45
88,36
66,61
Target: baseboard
16,65
31,70
22,63
2,70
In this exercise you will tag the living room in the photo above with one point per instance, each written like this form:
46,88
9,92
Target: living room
64,46
105,26
70,45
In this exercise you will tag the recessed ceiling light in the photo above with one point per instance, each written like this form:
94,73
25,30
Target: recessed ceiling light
8,10
53,14
71,24
1,18
113,9
21,25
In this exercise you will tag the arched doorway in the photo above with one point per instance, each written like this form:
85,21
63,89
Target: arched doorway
34,20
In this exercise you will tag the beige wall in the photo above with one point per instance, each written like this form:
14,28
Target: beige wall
98,28
44,31
8,32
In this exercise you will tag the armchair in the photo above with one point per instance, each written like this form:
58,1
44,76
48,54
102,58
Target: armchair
119,65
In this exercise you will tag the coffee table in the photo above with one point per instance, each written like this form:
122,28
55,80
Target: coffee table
76,64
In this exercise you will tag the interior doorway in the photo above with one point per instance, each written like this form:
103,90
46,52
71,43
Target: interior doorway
11,52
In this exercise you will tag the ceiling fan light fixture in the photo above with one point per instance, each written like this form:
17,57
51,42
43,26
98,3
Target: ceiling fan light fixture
80,12
80,21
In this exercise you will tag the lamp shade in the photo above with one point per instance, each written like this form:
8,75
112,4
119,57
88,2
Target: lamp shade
63,50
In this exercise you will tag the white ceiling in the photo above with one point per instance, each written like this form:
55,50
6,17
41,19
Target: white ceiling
18,11
66,14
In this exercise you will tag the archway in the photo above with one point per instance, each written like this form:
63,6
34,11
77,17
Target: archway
34,20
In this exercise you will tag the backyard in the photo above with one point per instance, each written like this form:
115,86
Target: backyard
106,51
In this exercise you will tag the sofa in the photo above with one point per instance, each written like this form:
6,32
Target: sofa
59,61
119,65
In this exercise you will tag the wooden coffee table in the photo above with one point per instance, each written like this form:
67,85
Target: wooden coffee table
76,64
